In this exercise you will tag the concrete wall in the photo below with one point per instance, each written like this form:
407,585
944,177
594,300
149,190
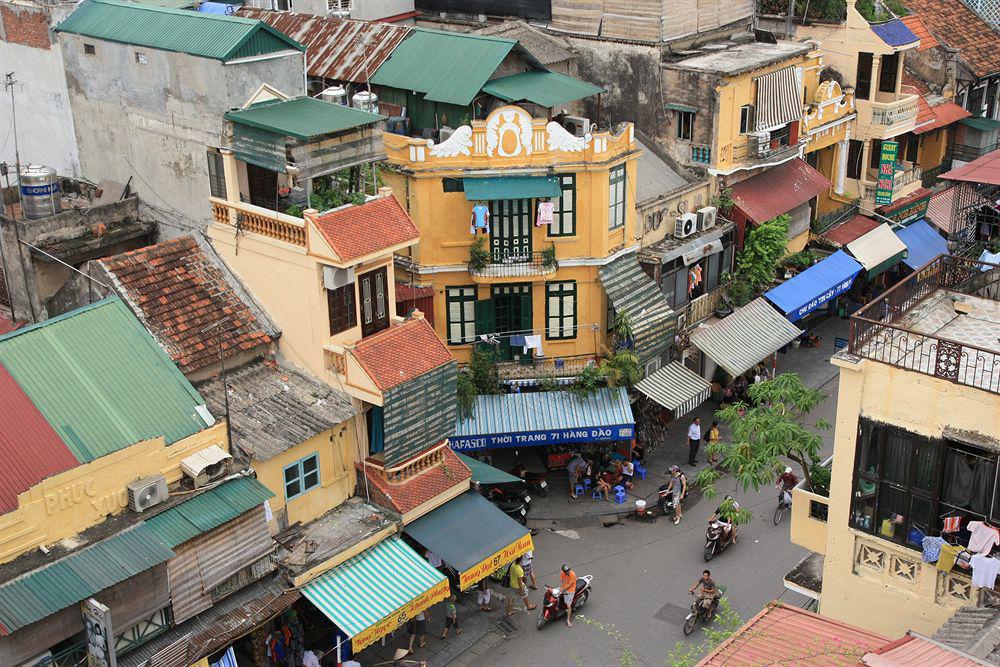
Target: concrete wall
152,122
45,123
371,10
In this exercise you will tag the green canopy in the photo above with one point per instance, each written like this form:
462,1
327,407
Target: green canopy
511,187
302,117
485,473
547,89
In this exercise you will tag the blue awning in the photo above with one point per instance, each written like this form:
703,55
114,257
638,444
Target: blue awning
545,418
922,243
511,187
815,286
894,33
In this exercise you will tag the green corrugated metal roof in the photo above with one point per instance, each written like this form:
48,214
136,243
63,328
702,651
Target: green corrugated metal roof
547,89
76,577
630,289
484,473
445,66
199,34
209,510
172,4
101,380
302,117
981,124
511,187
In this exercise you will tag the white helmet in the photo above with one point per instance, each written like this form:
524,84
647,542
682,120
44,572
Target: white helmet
788,470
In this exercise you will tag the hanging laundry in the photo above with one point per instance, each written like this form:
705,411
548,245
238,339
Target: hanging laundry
983,537
984,571
517,341
490,339
545,213
947,556
952,524
480,219
533,343
932,548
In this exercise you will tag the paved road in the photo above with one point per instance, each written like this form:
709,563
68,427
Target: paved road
642,573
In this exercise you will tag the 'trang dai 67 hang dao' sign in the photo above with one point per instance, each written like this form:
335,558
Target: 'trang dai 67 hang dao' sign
886,172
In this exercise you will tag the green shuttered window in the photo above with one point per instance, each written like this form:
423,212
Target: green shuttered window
564,214
616,197
301,476
461,304
560,310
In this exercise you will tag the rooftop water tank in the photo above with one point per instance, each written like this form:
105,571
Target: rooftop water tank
335,94
41,194
366,101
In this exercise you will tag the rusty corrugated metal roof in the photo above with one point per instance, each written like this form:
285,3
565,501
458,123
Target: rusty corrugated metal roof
30,450
339,49
782,634
778,190
914,650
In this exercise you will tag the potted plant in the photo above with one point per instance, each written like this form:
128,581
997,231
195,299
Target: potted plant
623,331
549,260
479,255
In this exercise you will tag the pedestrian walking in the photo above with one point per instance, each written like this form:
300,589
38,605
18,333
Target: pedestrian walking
529,571
451,617
713,437
418,627
694,441
517,585
483,595
679,485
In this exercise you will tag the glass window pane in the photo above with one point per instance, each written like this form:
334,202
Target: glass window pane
292,489
291,472
309,464
925,453
311,480
893,510
863,516
899,448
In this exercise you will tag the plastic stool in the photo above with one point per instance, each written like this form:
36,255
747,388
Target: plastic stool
596,494
586,483
620,495
578,490
640,470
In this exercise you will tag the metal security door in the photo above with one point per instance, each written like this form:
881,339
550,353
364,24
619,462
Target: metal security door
510,226
374,302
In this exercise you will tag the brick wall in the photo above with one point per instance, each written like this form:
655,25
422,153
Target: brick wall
28,26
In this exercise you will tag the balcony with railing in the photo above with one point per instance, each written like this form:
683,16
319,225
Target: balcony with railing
970,152
701,308
888,116
259,220
486,266
906,180
701,154
942,322
532,371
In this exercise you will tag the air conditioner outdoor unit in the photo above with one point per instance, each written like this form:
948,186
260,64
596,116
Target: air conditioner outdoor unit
707,217
576,125
445,133
334,278
758,144
146,492
206,466
685,225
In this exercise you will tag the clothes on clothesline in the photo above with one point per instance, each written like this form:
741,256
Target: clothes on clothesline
517,341
533,342
947,556
984,571
932,548
952,524
983,537
694,278
545,213
480,219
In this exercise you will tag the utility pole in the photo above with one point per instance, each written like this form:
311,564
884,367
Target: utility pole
8,84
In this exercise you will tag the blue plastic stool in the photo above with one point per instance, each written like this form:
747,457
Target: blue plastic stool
640,471
620,495
586,483
596,494
578,490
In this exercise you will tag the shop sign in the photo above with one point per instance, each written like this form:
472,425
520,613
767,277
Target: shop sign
910,212
539,438
494,562
398,618
886,172
823,298
100,641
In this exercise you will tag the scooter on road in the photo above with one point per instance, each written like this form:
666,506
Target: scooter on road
553,605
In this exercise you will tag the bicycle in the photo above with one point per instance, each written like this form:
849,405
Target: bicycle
783,504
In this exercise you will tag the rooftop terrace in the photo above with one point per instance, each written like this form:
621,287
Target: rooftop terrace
943,321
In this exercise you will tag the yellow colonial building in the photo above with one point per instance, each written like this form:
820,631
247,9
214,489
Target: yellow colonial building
916,455
517,216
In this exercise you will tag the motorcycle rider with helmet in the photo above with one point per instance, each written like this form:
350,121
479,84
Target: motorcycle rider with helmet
728,505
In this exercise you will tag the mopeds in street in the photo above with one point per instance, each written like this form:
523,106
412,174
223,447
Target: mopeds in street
702,611
553,606
716,538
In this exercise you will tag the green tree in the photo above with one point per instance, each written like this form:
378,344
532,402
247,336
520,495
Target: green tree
755,265
766,431
621,369
480,377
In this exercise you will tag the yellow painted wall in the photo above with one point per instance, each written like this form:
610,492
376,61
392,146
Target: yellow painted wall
338,452
72,501
806,531
862,595
932,148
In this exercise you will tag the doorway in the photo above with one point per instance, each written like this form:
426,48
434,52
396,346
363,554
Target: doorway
510,237
374,302
263,186
512,310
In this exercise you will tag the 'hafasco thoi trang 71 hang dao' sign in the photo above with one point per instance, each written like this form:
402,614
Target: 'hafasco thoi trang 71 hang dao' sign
886,172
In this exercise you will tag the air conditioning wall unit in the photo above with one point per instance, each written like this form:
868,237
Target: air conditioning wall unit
576,125
147,492
758,144
334,278
445,133
206,466
707,217
685,225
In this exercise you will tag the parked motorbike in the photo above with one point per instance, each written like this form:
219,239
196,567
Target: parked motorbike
537,484
716,540
702,610
511,506
553,605
666,500
513,491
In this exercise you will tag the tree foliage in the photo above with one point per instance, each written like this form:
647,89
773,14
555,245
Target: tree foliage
481,377
723,626
766,431
835,10
755,265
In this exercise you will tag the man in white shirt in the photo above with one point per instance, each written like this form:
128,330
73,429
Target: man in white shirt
694,441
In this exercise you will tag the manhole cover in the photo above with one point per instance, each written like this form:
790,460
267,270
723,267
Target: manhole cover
672,613
507,624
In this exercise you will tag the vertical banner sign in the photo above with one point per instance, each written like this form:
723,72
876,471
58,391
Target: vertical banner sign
100,640
886,172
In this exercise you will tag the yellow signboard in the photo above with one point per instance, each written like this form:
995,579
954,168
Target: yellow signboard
491,564
398,618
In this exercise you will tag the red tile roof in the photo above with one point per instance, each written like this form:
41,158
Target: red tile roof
938,115
421,487
778,190
7,324
788,635
356,231
981,170
917,27
850,230
30,449
957,26
400,353
177,292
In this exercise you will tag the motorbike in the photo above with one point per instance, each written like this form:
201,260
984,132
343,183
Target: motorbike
702,610
666,500
513,491
715,540
553,605
537,484
509,505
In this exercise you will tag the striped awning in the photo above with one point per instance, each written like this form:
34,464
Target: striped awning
779,99
375,592
630,290
676,388
747,337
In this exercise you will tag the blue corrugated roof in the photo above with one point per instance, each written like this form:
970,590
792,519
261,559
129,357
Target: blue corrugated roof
815,286
894,33
209,510
546,411
76,577
922,243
